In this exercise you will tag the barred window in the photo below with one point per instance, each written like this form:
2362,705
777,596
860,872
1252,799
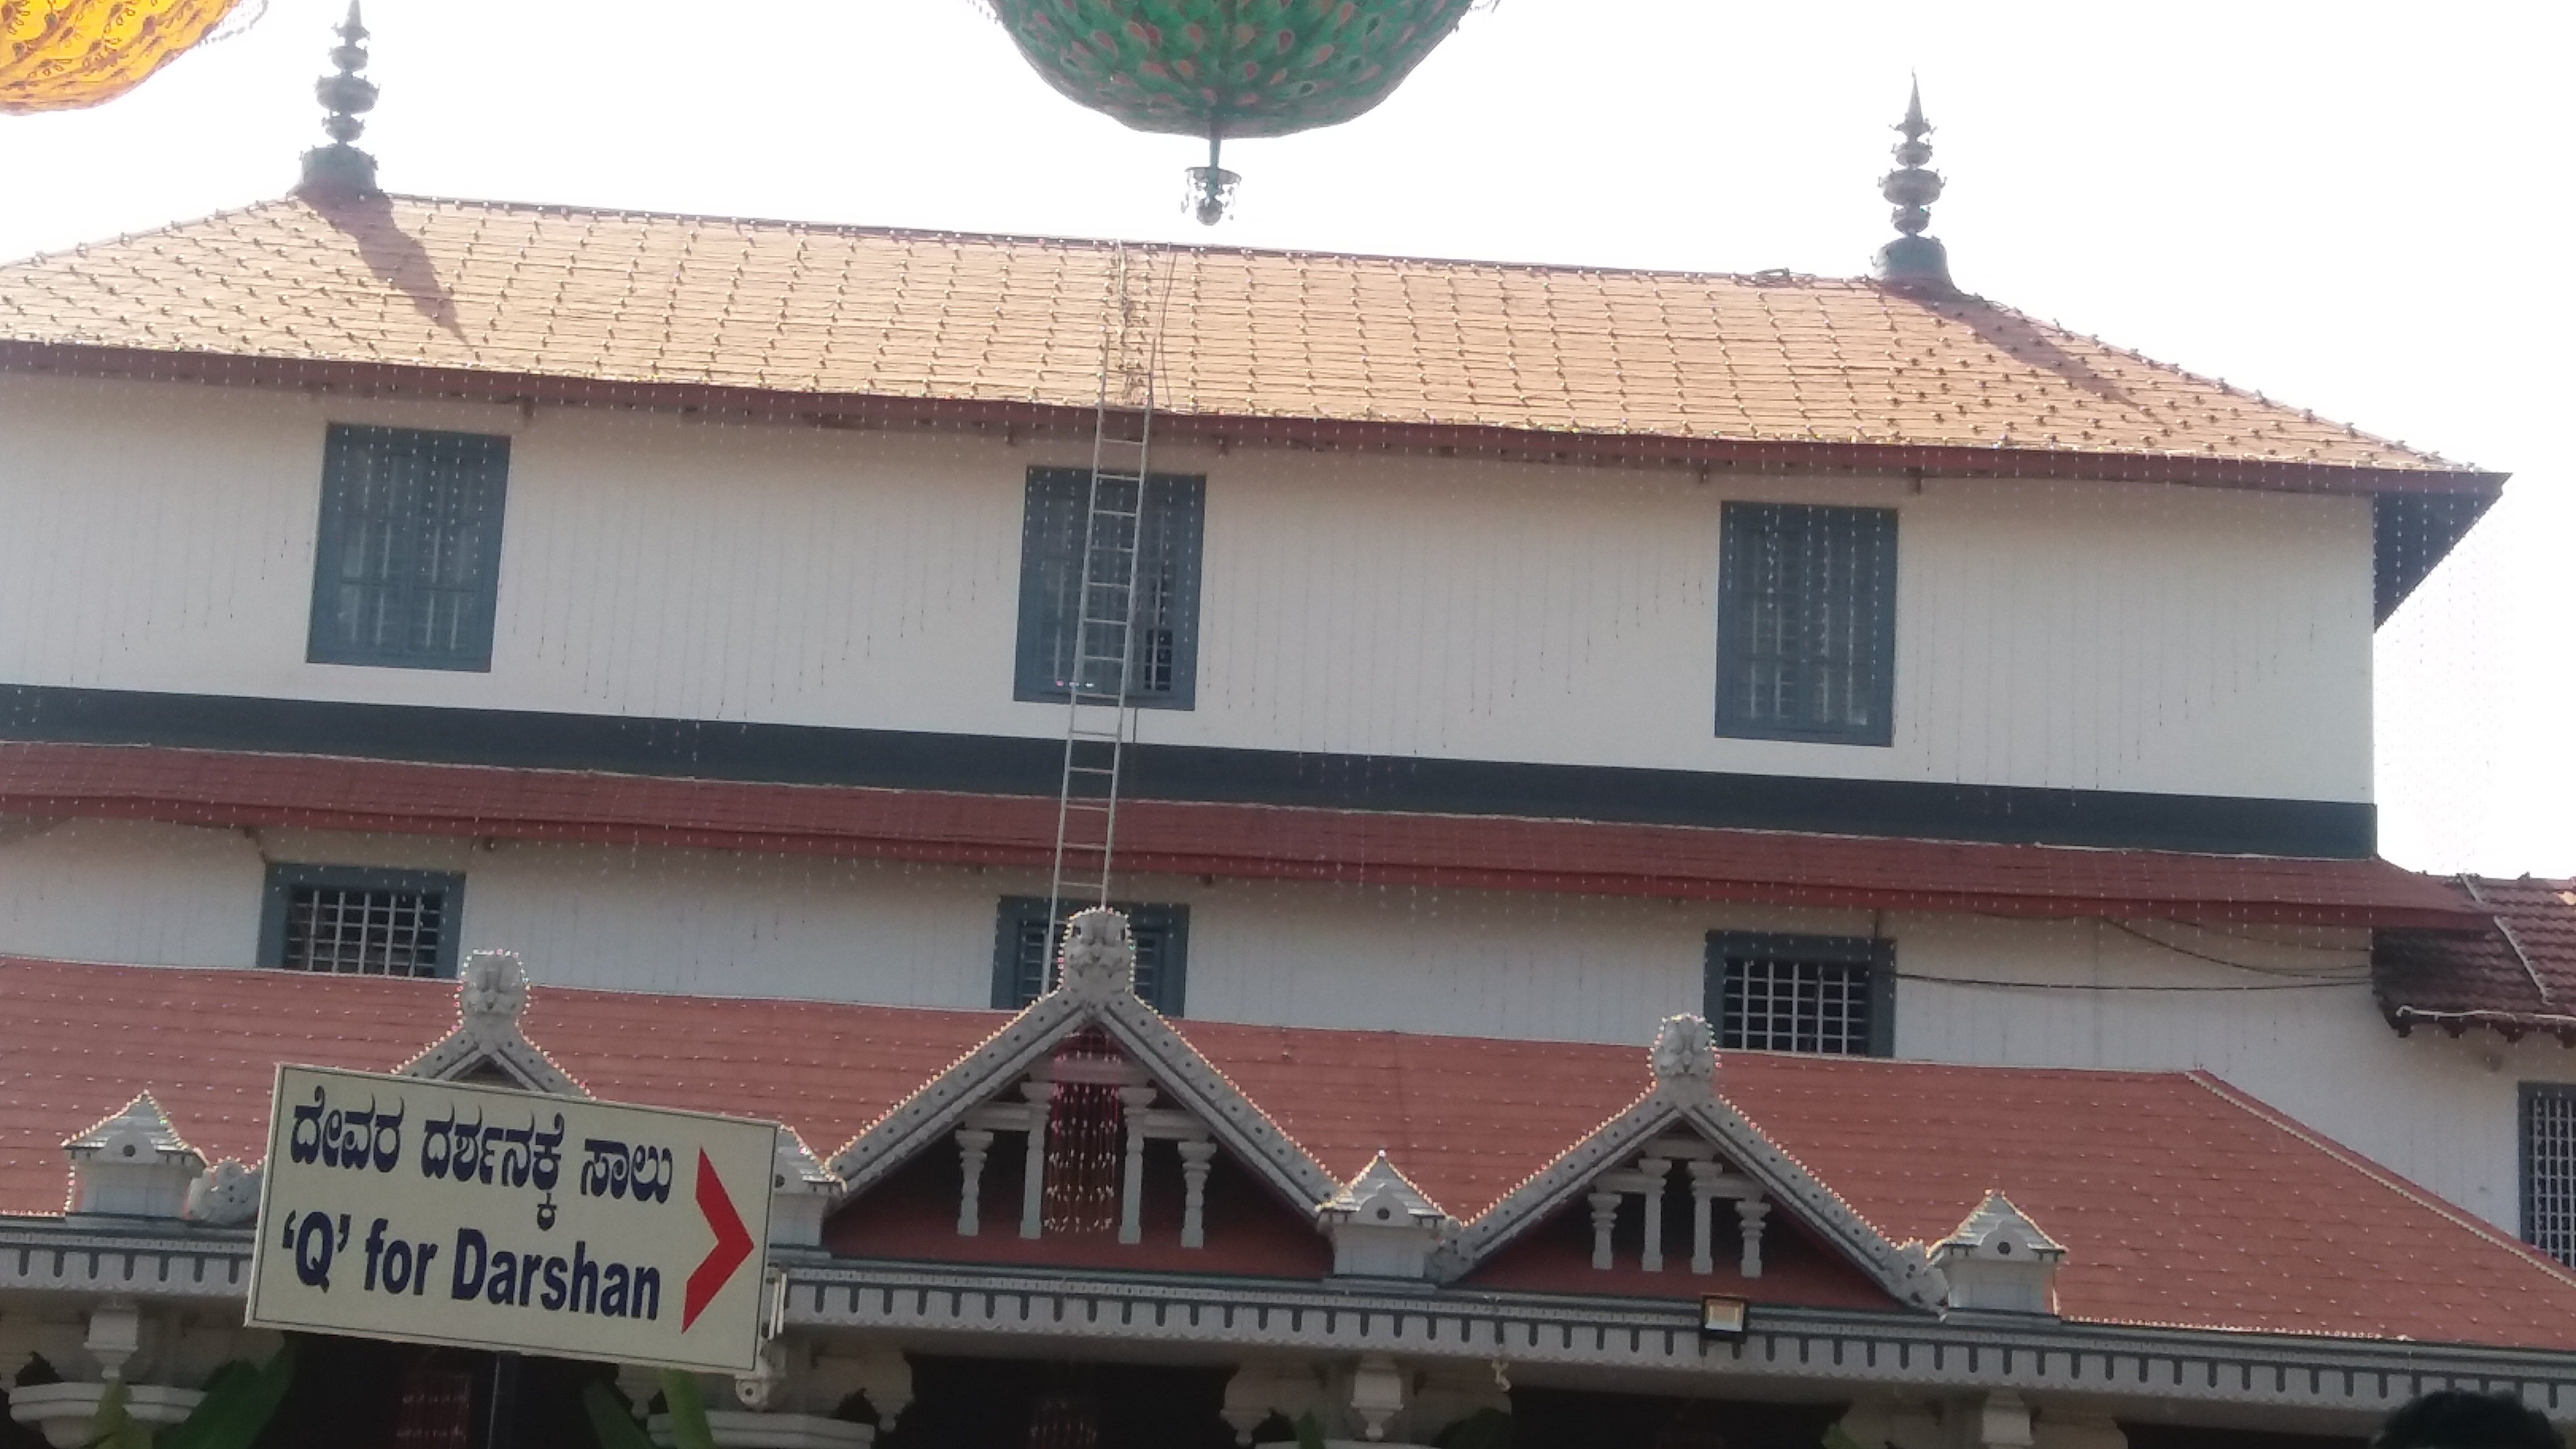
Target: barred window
1149,534
1806,623
1021,953
407,558
355,922
2549,1169
1827,994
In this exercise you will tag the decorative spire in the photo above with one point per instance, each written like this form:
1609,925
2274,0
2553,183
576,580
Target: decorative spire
1913,261
341,168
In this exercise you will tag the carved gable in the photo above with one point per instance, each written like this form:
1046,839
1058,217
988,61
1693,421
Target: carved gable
1682,1179
1088,1093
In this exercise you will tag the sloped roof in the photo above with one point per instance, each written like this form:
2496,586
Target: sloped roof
214,787
649,300
2180,1203
2512,970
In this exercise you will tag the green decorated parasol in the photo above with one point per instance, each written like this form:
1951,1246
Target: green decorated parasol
1219,68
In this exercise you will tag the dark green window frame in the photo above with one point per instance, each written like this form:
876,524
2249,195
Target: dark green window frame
1022,953
1806,623
2549,1168
1163,648
302,904
1828,995
407,555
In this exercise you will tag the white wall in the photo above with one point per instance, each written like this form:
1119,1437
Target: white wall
1532,966
160,537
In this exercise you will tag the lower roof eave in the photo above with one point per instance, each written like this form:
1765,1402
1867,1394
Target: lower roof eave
1894,1349
1222,838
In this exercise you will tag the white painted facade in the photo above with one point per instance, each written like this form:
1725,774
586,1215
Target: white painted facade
2437,1110
2122,637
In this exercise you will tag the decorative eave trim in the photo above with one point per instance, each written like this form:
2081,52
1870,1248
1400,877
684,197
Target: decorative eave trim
2511,1025
1898,1350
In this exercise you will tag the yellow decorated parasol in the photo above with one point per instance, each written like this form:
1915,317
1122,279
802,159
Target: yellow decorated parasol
61,55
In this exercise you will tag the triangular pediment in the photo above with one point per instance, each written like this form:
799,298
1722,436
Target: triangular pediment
1092,1030
1683,1130
488,1048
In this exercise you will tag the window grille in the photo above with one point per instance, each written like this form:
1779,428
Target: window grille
360,922
2549,1169
1824,994
1022,951
1163,663
1806,623
407,557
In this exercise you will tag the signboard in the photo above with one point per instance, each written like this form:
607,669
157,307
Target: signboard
433,1212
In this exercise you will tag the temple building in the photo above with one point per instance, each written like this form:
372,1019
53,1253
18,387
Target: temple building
1674,860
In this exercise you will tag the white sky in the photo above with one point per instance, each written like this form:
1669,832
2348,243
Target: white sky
2358,208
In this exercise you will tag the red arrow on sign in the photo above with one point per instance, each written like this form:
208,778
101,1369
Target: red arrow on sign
733,1244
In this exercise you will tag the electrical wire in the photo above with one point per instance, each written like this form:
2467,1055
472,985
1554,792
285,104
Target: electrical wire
1983,982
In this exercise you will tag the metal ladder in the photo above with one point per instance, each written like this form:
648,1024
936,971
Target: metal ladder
1100,716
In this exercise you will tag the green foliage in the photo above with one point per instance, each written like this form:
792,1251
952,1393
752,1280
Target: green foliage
611,1419
1310,1435
239,1402
688,1411
112,1427
1487,1428
1835,1438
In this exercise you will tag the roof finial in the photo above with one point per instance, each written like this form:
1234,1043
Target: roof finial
341,168
1913,261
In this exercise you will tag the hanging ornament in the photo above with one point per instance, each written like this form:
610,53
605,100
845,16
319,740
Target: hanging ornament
1084,1122
1064,1420
1220,68
61,55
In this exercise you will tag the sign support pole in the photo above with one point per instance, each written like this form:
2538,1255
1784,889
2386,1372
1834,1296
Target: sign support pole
500,1428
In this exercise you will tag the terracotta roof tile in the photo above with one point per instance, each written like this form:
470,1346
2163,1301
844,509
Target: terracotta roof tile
1191,838
650,299
2180,1202
2513,970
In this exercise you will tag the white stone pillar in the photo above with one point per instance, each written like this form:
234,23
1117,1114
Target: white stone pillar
1605,1212
971,1147
1195,1159
1703,1176
1033,1182
2003,1422
1131,1188
1749,1213
1377,1394
115,1335
1655,1169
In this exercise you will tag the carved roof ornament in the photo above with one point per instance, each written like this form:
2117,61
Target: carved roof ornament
1684,1056
341,168
1999,1260
488,1042
225,1195
492,990
1913,262
1382,1226
1099,959
802,1191
133,1164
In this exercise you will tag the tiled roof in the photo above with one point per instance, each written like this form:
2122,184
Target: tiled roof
1244,841
2179,1202
654,301
2514,970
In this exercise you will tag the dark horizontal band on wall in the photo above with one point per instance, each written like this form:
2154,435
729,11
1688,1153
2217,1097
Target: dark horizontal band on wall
993,764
